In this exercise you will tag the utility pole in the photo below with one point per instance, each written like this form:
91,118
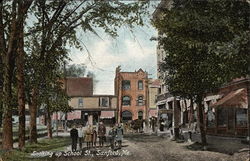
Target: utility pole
147,103
65,81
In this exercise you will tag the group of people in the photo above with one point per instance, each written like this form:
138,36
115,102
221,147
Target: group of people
90,136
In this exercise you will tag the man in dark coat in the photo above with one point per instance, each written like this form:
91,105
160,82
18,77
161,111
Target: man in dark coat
101,134
74,137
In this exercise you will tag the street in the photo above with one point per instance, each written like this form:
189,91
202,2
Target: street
156,148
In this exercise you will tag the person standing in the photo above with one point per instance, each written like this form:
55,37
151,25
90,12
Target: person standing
80,136
101,134
94,137
153,124
161,124
88,138
112,134
119,135
74,137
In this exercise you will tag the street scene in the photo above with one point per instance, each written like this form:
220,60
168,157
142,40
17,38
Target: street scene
164,80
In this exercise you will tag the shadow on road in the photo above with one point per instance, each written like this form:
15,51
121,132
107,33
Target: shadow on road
143,138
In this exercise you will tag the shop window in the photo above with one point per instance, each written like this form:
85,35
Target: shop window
140,85
140,101
126,116
241,117
126,84
80,102
222,117
126,100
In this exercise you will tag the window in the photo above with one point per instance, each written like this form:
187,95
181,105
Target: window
80,102
222,117
126,116
241,117
140,115
140,85
126,84
126,100
140,101
104,102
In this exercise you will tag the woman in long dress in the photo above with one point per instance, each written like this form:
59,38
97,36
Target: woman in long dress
88,137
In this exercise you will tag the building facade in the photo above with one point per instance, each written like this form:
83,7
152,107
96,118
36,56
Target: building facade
153,87
131,89
86,107
228,115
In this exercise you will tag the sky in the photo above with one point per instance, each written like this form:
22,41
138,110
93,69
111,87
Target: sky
131,50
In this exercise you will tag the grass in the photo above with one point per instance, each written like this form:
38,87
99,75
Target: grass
15,128
55,144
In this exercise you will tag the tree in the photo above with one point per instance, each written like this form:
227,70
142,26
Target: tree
206,44
11,19
57,25
79,70
54,26
76,70
22,11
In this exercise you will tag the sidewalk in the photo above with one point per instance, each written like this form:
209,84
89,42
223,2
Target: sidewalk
226,145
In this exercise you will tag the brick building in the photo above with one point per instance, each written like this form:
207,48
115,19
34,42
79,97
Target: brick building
131,89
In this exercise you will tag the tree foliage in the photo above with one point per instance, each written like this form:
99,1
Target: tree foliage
206,44
49,28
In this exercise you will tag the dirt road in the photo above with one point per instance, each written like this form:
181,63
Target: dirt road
156,148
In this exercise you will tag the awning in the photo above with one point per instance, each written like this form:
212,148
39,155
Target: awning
74,115
107,114
237,98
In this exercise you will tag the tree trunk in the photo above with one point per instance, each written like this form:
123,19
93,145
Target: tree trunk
176,118
2,50
8,58
33,114
201,122
248,102
1,89
49,127
20,86
65,122
191,113
7,132
57,122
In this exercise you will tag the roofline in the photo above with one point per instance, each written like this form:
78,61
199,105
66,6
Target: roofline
95,96
78,78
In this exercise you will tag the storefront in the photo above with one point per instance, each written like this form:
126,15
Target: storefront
228,116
